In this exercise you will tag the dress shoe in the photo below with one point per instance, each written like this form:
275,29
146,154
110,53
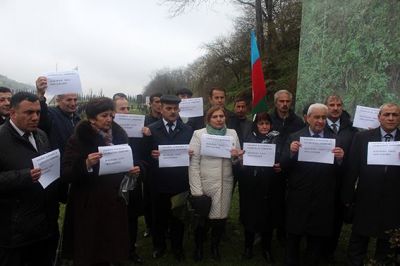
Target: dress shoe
135,258
268,257
248,253
198,254
179,255
215,253
158,253
147,233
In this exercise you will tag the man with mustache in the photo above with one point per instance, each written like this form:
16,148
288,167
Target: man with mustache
167,182
376,196
286,122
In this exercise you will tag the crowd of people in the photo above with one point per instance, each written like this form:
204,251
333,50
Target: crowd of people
295,198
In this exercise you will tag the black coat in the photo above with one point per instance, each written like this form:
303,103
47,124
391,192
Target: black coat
285,127
344,138
377,198
311,191
149,119
261,195
345,134
172,179
242,127
58,125
24,216
96,220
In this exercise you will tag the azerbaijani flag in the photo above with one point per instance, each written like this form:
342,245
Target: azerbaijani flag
258,88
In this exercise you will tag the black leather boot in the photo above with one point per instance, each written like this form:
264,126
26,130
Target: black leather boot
215,252
268,257
198,240
248,253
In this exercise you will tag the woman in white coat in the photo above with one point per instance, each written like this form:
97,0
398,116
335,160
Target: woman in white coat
212,176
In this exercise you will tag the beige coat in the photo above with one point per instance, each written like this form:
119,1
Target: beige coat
212,176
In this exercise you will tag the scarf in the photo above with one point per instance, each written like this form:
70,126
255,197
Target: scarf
106,135
216,131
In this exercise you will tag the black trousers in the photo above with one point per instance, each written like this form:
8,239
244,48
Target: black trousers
164,219
358,246
266,238
314,249
40,253
147,201
132,226
333,240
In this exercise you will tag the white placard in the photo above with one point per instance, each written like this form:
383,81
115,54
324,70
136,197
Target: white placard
217,146
366,117
191,107
49,164
173,155
259,154
316,150
63,82
132,124
115,159
384,153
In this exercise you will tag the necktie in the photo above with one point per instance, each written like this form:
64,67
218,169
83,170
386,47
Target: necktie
170,125
335,128
316,136
388,137
26,136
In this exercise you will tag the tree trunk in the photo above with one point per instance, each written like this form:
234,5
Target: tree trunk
270,27
259,27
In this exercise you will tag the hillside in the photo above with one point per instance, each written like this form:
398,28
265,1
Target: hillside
15,85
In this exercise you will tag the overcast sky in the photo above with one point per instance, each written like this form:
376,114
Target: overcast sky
117,45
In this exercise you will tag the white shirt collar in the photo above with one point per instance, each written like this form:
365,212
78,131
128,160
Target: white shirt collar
321,134
166,122
330,122
20,132
383,132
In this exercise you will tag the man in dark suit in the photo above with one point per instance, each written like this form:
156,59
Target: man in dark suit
153,116
135,202
311,191
167,182
5,98
338,122
217,97
25,230
376,197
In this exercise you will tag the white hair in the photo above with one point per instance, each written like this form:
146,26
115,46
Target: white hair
276,95
316,106
388,105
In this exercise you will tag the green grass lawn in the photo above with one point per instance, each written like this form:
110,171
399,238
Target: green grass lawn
231,247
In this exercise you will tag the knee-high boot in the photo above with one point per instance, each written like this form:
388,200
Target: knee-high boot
198,241
217,229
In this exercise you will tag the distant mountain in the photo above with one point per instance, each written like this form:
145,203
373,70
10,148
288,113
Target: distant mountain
15,85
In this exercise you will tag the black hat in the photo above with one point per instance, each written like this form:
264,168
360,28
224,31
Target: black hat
184,91
170,99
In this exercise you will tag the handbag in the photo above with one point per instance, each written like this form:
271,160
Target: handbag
200,204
